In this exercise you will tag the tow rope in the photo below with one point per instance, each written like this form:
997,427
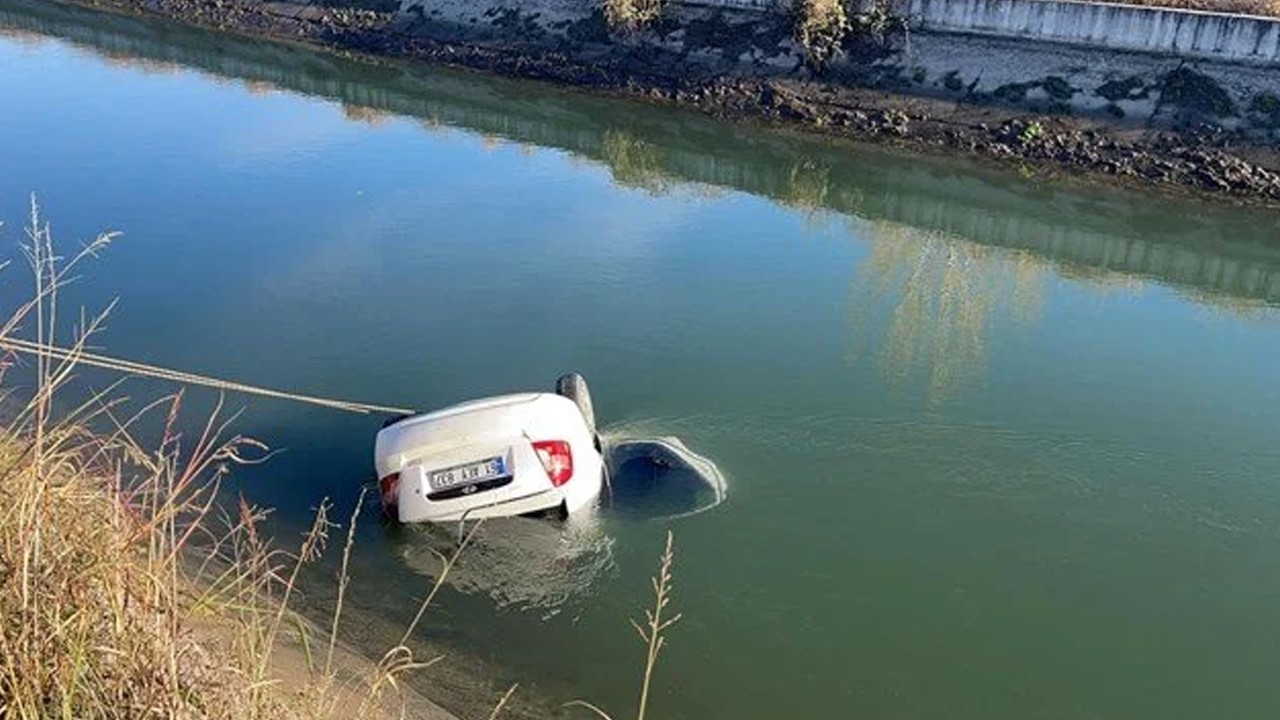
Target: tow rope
179,376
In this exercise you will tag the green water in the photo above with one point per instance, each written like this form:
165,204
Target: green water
997,448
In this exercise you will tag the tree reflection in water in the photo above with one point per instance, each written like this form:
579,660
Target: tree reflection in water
367,115
924,303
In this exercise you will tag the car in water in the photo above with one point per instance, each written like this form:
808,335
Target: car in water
509,455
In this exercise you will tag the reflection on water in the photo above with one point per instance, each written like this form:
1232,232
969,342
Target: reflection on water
521,563
124,59
261,87
1253,308
635,163
640,165
366,115
1229,255
807,186
542,564
923,302
23,37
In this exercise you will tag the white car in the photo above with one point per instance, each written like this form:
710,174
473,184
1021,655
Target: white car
500,456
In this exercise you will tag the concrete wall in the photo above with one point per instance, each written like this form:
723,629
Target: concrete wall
1164,31
1120,27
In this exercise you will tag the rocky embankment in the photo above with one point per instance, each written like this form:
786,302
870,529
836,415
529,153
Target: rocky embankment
1196,157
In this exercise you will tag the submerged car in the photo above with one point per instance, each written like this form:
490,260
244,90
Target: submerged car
500,456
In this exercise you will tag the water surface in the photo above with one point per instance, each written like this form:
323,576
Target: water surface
997,448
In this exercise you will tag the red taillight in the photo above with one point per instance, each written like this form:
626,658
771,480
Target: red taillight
556,459
390,486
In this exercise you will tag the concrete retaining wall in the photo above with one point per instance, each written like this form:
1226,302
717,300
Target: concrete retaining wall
1164,31
1120,27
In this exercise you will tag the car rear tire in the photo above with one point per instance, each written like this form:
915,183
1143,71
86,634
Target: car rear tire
574,387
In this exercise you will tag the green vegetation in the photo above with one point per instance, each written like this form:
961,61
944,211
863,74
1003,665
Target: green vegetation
1032,133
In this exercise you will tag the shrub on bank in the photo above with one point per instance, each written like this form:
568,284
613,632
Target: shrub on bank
631,15
819,28
822,27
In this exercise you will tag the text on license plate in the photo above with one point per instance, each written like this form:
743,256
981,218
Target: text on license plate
467,474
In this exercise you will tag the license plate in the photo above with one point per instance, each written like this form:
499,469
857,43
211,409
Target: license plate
467,474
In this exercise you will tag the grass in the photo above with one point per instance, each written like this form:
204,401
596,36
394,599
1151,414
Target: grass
105,611
129,590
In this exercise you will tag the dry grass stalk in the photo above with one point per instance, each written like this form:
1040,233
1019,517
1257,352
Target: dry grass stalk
344,579
497,709
652,632
100,614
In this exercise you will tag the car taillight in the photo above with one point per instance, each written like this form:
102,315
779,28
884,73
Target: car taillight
390,486
556,459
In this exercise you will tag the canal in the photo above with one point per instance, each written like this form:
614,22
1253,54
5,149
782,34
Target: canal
997,446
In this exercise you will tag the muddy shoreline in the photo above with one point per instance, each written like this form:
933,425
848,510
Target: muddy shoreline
1201,160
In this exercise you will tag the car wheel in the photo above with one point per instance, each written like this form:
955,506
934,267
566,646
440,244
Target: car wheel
574,387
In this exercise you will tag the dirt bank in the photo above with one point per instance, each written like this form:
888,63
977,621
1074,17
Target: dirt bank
294,675
1197,157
